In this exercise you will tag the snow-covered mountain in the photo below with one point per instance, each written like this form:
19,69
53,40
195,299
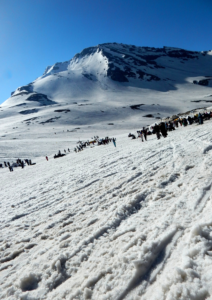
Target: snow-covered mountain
109,87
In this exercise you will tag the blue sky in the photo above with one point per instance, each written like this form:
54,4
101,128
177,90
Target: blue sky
38,33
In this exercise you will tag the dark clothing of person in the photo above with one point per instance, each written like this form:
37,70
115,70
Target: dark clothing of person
145,134
157,131
163,130
185,123
200,119
190,120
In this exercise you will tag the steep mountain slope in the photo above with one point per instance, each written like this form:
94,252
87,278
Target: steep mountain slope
122,85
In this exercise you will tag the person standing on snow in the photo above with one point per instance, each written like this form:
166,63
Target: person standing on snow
200,119
140,135
145,133
47,158
163,129
157,131
114,142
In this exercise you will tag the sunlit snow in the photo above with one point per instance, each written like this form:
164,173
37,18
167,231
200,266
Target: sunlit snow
131,222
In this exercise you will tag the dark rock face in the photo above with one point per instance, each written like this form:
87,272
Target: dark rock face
20,94
28,111
89,76
84,52
23,90
117,75
131,59
182,54
31,119
22,104
149,116
149,77
50,120
27,88
137,106
41,98
197,101
139,60
62,110
204,82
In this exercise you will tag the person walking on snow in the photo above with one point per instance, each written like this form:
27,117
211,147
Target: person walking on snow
145,133
140,134
47,158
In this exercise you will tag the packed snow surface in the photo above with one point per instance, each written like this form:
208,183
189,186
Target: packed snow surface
132,222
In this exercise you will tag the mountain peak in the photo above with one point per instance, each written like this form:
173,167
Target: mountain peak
111,81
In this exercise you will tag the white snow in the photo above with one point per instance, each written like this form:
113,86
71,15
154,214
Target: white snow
131,222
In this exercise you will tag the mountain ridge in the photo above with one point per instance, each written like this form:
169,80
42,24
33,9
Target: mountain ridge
103,85
126,62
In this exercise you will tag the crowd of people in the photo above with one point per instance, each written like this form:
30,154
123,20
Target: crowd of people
160,129
163,128
59,154
18,163
95,141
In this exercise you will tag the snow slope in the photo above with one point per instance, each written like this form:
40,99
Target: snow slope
131,222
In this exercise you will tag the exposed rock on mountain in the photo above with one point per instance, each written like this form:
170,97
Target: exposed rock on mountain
112,76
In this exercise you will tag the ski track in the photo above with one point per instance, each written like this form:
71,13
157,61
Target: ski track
134,223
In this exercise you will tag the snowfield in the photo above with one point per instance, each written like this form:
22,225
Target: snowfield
132,222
